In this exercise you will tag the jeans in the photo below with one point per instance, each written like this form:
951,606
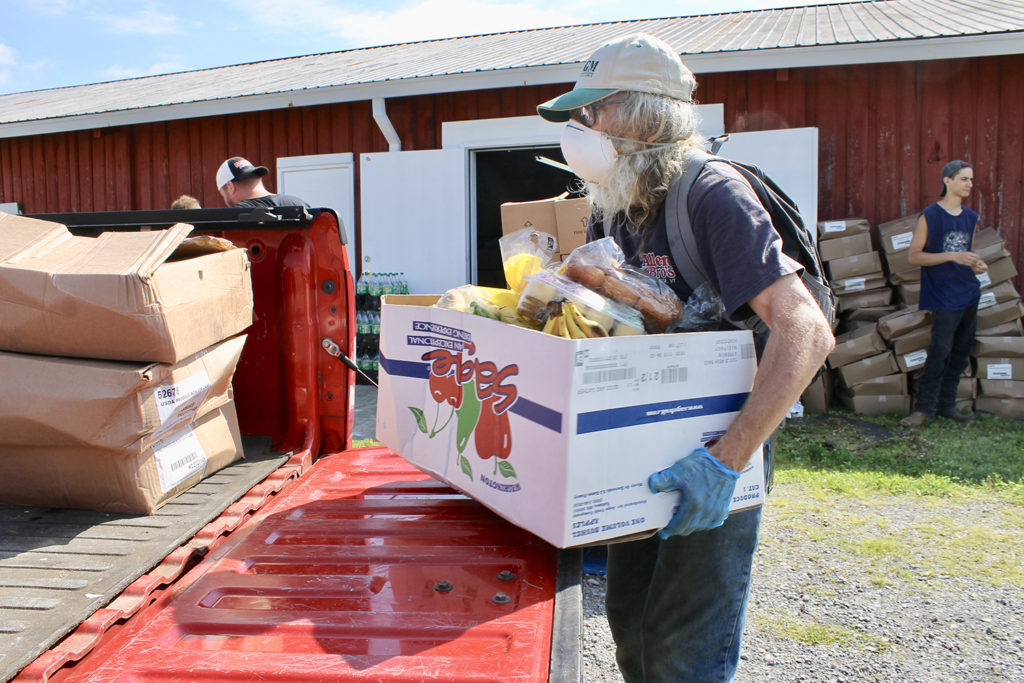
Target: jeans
677,607
948,352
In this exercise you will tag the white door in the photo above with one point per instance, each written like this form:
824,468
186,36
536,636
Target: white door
790,157
324,181
415,217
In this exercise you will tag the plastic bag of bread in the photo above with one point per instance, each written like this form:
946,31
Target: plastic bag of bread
599,266
524,253
546,292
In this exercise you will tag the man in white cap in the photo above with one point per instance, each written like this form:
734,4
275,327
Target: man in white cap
676,601
241,185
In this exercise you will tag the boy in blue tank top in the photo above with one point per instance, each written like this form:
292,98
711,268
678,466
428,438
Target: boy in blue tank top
949,289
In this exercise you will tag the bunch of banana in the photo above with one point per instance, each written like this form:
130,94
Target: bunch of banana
572,324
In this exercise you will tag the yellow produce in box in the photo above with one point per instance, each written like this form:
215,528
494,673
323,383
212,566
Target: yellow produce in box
519,267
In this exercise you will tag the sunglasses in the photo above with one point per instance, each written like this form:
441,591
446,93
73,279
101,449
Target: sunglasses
587,114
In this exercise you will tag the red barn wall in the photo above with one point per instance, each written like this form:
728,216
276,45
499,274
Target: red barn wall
885,131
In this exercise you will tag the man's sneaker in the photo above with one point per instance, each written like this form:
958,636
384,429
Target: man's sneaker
956,416
915,419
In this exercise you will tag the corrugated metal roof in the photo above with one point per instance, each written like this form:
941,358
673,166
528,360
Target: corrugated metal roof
863,24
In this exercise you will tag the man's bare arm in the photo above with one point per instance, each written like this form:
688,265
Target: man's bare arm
799,342
917,256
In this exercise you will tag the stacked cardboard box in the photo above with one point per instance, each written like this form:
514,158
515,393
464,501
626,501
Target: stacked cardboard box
894,238
564,218
998,354
868,373
853,266
117,354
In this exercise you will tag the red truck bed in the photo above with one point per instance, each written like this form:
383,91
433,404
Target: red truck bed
342,564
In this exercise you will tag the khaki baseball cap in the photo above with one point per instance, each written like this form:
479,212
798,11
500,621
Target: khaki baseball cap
637,62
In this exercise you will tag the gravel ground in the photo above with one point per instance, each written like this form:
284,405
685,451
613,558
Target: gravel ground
818,613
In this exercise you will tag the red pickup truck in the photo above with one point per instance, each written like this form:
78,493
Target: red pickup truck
308,560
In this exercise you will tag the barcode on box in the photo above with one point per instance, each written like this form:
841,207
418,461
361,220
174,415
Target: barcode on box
178,457
746,351
612,375
673,375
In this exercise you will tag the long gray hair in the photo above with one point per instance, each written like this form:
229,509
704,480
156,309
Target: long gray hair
648,161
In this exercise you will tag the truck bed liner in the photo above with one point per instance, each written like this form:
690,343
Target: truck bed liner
58,567
366,570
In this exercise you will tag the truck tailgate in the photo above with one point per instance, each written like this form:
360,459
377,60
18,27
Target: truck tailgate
57,567
364,569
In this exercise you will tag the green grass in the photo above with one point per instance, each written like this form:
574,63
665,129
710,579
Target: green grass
850,454
903,505
360,443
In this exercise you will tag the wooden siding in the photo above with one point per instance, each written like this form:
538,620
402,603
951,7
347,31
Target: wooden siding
885,131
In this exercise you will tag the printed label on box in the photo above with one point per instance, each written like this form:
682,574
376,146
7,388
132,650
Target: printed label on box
835,226
999,371
901,241
983,279
178,457
177,403
915,358
987,299
854,284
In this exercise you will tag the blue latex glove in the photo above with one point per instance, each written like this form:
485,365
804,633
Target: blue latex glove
706,485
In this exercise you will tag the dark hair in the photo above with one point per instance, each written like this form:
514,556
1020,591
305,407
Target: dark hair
950,170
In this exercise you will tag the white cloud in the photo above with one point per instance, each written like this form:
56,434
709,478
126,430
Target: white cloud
407,22
146,22
52,7
6,55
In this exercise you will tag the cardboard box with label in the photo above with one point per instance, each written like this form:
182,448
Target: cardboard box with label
999,314
876,405
1012,328
558,436
841,247
998,271
109,404
872,298
564,218
830,230
899,323
139,296
1000,368
895,236
852,266
134,479
1012,408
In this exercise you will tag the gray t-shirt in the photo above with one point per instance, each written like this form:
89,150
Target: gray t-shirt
270,201
740,250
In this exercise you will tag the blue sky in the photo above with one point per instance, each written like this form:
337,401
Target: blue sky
55,43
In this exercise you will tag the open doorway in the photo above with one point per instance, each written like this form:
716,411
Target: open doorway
510,175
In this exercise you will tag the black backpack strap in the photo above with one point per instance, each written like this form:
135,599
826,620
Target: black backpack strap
681,242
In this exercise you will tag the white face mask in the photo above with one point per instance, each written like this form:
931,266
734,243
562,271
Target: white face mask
589,153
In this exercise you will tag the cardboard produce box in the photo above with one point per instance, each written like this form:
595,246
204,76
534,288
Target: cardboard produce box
553,445
898,323
868,313
564,218
873,298
998,271
999,314
860,283
895,236
853,346
967,388
868,368
998,294
132,479
1001,388
859,243
886,385
1006,346
989,245
852,266
912,360
1008,329
140,296
1000,368
109,404
817,397
830,230
914,340
908,294
1011,408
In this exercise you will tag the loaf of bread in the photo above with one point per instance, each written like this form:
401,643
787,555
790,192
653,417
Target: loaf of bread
653,299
